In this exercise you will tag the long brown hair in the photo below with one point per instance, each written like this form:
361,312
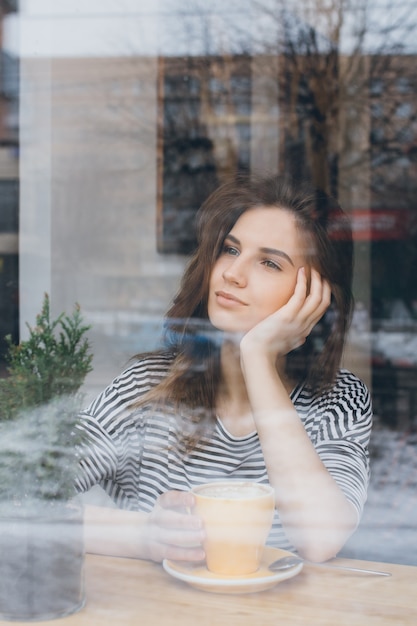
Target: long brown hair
194,376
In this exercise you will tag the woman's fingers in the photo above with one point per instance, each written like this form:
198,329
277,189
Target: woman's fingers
319,297
168,518
319,288
177,537
173,511
176,500
300,291
304,309
174,532
288,328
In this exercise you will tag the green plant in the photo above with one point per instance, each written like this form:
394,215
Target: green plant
52,362
39,405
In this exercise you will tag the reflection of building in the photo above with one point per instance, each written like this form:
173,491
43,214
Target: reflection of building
9,188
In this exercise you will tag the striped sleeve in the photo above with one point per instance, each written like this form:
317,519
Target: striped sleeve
343,436
98,458
113,437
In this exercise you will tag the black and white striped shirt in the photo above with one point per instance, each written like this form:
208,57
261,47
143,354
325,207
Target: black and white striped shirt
137,454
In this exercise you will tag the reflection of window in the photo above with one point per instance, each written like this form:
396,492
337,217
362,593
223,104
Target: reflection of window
376,86
377,135
405,135
9,75
9,200
378,159
174,86
403,162
377,109
216,86
9,317
241,94
404,110
204,136
403,84
177,112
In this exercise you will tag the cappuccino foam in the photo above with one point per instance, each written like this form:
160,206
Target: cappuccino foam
233,491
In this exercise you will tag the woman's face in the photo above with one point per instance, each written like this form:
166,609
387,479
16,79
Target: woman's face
256,271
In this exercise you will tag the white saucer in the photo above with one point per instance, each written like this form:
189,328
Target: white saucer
198,576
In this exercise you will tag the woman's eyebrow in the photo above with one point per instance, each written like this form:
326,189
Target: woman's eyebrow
273,251
232,238
276,252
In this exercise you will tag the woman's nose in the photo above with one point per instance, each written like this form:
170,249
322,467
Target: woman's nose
235,272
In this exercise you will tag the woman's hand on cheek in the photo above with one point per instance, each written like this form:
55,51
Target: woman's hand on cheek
288,328
172,531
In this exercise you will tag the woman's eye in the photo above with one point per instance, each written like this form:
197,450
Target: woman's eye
271,264
230,250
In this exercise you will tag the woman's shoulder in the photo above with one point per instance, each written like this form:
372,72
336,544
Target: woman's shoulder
346,386
349,394
145,370
346,404
348,381
149,361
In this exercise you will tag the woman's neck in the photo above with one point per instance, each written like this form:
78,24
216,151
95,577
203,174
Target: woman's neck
232,381
232,402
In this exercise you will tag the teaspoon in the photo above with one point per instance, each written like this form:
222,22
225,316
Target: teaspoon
287,562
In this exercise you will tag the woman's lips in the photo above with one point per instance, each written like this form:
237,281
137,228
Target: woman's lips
227,299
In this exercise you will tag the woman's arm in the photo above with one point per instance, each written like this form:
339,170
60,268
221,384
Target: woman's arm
169,531
315,513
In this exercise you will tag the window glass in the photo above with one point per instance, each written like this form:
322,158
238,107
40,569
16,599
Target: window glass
110,141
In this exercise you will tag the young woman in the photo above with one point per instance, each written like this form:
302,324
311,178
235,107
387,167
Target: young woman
245,387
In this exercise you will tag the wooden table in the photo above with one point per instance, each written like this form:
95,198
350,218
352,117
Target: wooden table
125,592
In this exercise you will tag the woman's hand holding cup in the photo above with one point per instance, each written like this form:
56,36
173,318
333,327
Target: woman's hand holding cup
173,532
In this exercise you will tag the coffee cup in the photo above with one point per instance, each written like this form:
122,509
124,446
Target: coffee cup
237,518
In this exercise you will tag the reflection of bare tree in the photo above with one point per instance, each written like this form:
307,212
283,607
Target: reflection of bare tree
332,56
310,94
